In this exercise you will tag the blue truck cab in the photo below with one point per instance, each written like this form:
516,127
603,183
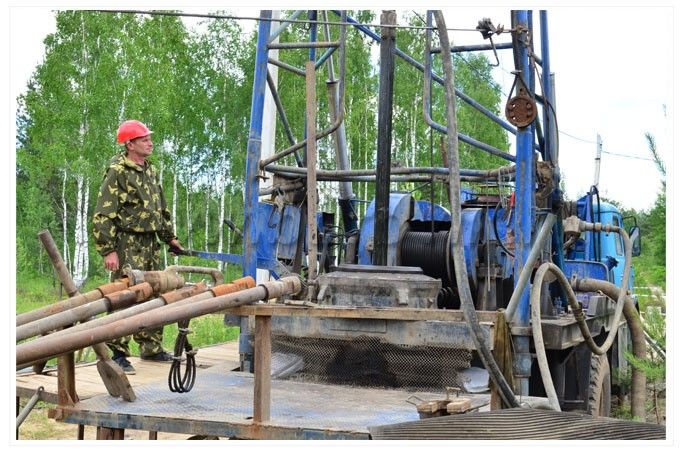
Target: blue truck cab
601,247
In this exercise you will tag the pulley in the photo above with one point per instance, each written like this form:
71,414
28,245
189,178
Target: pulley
521,110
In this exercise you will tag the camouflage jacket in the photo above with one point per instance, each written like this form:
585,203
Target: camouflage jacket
130,200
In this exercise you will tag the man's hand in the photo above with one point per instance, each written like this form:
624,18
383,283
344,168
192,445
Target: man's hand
174,246
111,261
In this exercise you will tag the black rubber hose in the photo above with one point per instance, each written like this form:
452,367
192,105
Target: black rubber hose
457,250
495,231
176,383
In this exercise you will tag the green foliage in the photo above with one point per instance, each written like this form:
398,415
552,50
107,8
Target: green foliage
194,91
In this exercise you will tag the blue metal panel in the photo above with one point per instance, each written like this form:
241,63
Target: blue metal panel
254,147
472,225
425,209
400,212
289,231
586,269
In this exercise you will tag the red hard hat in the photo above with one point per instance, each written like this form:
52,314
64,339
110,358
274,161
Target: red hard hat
130,130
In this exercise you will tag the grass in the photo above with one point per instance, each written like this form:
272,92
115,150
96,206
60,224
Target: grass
35,291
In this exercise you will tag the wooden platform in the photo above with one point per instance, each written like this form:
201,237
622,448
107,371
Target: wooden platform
89,383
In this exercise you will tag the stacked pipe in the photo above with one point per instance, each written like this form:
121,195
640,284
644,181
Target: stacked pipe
217,299
79,308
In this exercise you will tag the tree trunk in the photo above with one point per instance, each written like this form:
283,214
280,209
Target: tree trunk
175,208
78,273
221,217
206,219
161,184
65,231
188,210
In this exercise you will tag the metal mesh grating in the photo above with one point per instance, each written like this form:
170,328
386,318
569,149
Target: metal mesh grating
366,361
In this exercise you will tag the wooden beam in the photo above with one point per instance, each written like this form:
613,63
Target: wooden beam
66,380
408,314
262,369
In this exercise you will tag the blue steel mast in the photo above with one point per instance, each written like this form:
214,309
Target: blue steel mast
525,211
251,185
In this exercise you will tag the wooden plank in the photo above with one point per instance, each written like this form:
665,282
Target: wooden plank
405,314
262,369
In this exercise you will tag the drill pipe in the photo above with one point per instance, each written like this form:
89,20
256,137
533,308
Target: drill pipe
179,297
69,303
161,281
111,302
46,348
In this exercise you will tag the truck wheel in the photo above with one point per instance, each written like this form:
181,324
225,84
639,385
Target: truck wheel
599,389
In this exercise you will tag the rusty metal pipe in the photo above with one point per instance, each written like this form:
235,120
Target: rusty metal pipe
215,274
70,303
176,295
46,348
182,296
57,262
161,281
111,302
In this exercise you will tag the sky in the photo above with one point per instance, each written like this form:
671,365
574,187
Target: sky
613,78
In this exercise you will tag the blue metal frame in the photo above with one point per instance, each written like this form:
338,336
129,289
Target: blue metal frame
254,147
525,214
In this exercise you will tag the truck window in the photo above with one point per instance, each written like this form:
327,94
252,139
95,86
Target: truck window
617,237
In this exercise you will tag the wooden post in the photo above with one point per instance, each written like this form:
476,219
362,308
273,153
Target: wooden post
262,368
66,380
107,433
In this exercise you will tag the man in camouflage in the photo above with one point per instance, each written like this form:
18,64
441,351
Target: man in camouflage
131,214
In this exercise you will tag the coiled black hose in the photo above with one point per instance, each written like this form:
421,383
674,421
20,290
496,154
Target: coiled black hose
175,382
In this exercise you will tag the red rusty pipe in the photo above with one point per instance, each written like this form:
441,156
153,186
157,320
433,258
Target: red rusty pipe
46,348
180,296
111,302
69,303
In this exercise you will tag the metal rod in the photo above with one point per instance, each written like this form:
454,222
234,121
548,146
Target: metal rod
492,174
62,319
283,116
196,293
58,263
467,99
340,114
474,47
69,303
289,67
311,164
384,126
551,152
304,45
29,406
283,26
325,57
36,350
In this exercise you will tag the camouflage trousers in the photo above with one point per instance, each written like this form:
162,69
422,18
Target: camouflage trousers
141,252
